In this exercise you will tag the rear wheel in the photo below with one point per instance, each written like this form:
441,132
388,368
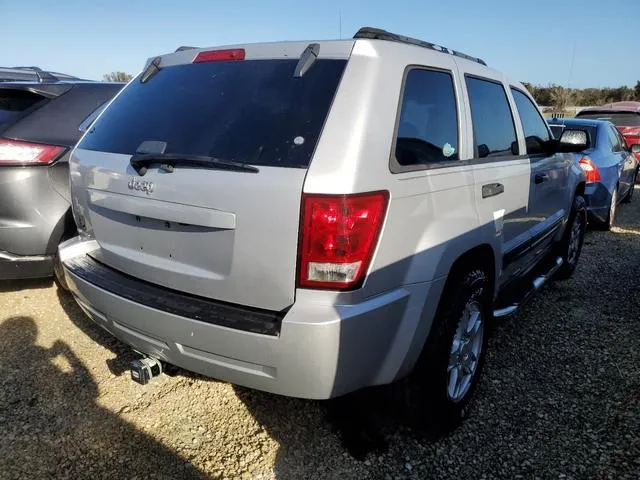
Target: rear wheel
611,215
570,246
58,271
629,196
447,373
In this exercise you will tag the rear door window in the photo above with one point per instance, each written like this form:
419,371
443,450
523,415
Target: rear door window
535,129
16,103
493,129
427,129
252,111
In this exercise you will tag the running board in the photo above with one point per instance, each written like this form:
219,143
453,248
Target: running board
536,285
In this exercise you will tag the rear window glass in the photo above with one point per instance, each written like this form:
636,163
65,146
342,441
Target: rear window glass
590,131
618,119
14,103
252,111
428,125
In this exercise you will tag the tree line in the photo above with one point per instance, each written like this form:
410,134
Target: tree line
560,97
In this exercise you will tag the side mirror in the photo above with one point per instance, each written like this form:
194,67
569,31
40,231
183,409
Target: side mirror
573,141
635,148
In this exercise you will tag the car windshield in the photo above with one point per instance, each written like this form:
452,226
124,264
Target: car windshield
253,111
619,119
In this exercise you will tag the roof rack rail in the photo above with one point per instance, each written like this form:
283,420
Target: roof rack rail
42,75
184,47
379,34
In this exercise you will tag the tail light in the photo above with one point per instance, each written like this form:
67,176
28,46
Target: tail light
15,152
590,170
338,236
234,54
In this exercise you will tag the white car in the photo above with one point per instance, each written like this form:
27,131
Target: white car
312,218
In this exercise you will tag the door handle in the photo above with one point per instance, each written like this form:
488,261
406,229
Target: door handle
492,189
541,177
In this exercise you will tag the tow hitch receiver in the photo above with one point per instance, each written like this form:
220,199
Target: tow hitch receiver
144,369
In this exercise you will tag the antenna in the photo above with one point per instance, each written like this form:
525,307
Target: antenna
573,57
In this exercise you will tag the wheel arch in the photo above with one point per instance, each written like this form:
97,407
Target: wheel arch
64,229
480,256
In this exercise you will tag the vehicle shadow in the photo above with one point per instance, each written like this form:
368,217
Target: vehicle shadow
53,426
27,284
124,355
320,438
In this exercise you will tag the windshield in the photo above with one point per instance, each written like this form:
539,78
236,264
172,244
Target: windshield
252,111
619,119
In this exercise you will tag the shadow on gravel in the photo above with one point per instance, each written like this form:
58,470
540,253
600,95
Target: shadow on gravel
52,426
28,284
123,353
363,423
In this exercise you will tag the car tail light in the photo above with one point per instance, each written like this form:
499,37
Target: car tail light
15,152
234,54
590,170
338,236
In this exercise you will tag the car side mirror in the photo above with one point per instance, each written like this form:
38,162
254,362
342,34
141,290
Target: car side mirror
635,148
573,141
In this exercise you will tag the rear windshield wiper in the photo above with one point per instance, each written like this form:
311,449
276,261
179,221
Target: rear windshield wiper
168,161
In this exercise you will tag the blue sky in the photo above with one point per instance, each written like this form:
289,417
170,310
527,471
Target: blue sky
529,40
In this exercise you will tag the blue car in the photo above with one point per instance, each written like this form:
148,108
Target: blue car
609,165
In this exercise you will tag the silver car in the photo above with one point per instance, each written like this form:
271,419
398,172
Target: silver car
312,218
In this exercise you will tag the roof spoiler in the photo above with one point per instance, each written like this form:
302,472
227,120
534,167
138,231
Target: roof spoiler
379,34
184,47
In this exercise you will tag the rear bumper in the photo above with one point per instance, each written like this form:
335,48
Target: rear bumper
321,350
14,267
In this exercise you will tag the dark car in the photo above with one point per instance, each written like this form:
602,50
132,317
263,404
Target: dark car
609,165
40,122
31,74
624,115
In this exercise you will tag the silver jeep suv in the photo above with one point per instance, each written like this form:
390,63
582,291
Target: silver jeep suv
313,218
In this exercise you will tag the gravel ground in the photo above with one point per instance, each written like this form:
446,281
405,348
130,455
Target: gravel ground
560,398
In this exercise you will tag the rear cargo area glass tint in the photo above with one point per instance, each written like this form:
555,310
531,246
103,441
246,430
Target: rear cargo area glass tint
14,104
254,111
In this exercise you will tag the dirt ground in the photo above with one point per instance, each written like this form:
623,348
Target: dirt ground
560,398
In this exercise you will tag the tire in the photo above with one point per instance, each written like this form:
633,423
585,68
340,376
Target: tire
434,401
611,216
629,196
570,246
58,273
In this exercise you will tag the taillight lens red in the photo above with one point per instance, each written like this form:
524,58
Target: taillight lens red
233,54
338,236
590,169
16,152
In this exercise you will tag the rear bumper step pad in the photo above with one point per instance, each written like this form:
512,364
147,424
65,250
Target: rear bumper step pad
202,309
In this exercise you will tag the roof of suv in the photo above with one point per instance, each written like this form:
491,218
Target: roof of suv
11,74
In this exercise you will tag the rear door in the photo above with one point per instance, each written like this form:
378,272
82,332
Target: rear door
501,177
549,174
226,234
